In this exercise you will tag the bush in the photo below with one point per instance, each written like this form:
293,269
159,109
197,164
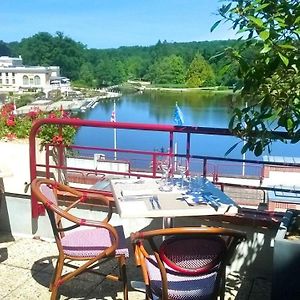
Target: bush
14,126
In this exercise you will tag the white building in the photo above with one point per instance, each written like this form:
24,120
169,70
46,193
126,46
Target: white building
15,77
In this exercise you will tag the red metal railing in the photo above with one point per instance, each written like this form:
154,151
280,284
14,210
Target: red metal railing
208,166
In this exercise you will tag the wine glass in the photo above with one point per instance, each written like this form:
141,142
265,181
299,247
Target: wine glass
181,168
166,168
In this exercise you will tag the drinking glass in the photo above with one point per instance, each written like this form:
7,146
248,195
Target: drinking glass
166,180
181,170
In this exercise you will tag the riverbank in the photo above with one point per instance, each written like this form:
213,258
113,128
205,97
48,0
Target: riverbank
74,105
214,90
206,90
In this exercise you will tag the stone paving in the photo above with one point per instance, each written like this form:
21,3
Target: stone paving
26,266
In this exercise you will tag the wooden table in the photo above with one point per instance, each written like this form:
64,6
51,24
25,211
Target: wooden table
142,198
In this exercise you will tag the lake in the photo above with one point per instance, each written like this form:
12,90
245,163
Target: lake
199,109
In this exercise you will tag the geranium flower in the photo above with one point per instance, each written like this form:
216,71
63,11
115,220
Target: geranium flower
52,115
11,136
18,126
57,139
33,114
10,122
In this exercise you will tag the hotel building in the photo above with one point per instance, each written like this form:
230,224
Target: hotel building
17,78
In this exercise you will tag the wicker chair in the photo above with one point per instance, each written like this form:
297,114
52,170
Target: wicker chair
80,240
186,263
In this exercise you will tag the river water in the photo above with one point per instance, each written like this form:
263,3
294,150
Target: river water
199,109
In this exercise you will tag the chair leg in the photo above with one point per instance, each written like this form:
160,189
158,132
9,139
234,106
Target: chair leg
57,276
222,286
53,277
123,274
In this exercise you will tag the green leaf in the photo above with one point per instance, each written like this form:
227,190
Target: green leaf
245,148
287,46
231,122
218,55
215,25
284,59
264,35
258,149
256,21
289,124
295,68
224,69
224,9
266,49
231,148
261,7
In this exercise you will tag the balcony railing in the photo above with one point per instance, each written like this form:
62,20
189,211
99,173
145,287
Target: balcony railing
89,165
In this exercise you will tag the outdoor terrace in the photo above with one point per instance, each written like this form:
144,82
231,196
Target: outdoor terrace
28,254
26,266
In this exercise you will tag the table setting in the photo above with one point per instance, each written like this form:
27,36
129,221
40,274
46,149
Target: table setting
174,194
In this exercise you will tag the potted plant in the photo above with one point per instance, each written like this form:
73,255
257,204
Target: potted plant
14,143
286,258
13,126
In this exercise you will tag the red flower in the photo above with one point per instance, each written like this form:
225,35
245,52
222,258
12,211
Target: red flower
33,114
52,115
10,122
11,136
65,114
57,139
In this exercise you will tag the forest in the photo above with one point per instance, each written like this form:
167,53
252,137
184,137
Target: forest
190,64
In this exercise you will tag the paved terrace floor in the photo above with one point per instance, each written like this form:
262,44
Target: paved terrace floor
26,266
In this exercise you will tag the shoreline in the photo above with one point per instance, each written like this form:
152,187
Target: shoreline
227,91
205,90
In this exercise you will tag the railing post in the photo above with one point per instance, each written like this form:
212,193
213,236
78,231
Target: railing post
188,153
47,161
204,171
154,164
171,154
37,209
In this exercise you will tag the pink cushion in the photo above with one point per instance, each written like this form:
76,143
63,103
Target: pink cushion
90,242
181,287
48,192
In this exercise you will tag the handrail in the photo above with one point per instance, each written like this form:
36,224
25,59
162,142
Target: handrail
171,129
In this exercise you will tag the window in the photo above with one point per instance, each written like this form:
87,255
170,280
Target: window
25,80
0,80
6,73
14,81
7,81
37,80
13,74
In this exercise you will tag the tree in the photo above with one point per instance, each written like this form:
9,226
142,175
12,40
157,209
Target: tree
270,79
110,72
135,67
4,49
45,50
86,74
200,73
169,69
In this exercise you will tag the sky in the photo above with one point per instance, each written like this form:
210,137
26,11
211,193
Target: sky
113,23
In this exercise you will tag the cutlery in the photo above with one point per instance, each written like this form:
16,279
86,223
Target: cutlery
155,198
135,197
154,202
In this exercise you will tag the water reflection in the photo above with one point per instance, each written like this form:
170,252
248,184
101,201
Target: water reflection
199,109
